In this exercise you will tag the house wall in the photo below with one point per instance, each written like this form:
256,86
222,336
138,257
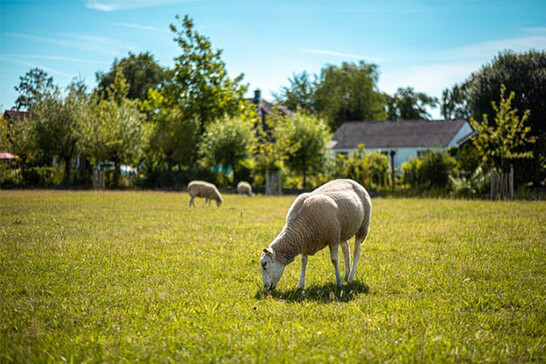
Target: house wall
463,132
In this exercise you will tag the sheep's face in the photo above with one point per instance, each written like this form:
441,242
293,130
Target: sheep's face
218,202
272,269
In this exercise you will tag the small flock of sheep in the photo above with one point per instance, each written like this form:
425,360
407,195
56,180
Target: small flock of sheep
328,216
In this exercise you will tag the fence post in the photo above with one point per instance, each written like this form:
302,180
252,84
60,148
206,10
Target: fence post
511,182
492,183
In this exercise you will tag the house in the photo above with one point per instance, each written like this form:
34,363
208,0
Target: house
265,108
401,140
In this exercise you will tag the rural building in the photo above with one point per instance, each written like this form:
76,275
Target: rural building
265,108
400,140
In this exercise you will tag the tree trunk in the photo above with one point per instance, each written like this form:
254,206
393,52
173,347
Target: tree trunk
66,177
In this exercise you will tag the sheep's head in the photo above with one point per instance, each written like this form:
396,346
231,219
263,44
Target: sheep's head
272,269
219,201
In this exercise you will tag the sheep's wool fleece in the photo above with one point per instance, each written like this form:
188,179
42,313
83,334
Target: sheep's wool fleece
204,189
331,214
244,188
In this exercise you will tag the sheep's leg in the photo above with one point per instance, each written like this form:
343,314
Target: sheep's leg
301,282
191,201
206,200
356,255
347,259
334,250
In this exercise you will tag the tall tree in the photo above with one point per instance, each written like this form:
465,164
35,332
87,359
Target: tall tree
199,92
406,104
57,125
32,86
300,94
304,140
454,103
505,139
525,75
114,129
141,71
228,143
349,93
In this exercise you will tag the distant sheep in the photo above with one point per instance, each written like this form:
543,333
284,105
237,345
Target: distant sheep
244,188
206,190
327,216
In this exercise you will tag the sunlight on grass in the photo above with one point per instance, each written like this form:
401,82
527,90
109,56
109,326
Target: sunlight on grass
113,276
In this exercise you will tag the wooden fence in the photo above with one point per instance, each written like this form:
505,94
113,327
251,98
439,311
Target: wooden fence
502,185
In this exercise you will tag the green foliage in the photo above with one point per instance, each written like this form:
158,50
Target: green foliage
5,140
379,168
525,75
32,86
128,277
349,93
507,138
300,95
200,86
41,176
429,171
228,143
470,187
356,166
406,104
303,140
114,129
57,125
141,72
454,103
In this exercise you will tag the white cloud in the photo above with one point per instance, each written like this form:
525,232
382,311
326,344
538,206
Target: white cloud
112,5
338,54
32,64
142,27
110,47
55,58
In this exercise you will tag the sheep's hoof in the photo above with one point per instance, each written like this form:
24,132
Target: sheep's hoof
300,285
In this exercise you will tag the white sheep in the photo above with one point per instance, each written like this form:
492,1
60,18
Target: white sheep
244,188
327,216
206,190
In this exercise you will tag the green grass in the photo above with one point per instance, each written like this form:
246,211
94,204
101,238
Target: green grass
127,276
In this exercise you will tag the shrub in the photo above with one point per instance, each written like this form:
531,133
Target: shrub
40,176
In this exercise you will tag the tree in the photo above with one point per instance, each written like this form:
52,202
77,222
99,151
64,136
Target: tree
506,138
227,143
304,140
455,102
141,71
525,75
201,86
57,125
349,93
198,93
406,104
114,129
300,94
32,86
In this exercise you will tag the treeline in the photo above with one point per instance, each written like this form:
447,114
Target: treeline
161,127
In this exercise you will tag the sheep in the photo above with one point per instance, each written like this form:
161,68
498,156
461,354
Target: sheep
244,188
206,190
327,216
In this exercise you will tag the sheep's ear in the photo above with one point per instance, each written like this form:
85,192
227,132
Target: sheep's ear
268,252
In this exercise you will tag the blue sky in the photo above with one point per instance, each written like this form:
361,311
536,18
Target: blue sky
428,45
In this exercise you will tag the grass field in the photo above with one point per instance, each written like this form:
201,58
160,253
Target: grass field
127,276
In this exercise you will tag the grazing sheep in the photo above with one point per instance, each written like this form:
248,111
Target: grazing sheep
244,188
327,216
206,190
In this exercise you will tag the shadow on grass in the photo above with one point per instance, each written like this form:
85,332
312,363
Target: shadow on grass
326,293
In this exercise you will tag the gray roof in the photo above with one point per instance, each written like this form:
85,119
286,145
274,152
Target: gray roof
396,134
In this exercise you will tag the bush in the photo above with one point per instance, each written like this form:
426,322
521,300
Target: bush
378,164
435,168
41,176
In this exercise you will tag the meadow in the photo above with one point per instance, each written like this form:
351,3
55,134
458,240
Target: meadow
140,276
